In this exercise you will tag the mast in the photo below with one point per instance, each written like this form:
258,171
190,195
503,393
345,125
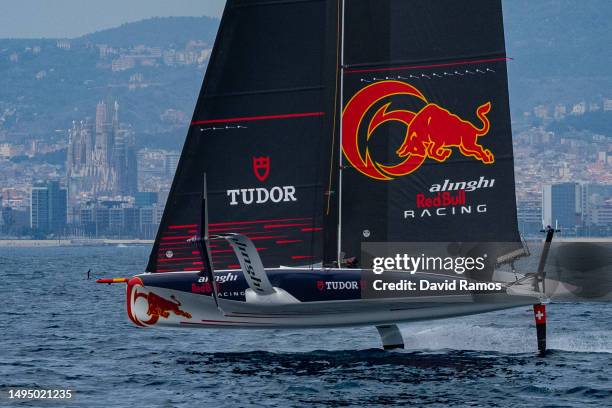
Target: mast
340,155
204,243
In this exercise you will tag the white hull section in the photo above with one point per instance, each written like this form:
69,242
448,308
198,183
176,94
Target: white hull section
165,307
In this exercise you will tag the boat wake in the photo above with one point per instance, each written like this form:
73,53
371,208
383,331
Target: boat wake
511,340
511,331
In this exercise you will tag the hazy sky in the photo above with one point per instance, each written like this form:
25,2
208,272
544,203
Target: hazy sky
72,18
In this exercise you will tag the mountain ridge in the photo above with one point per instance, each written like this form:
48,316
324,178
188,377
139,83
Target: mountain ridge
155,31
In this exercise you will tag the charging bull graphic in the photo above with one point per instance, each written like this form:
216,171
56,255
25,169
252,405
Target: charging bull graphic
157,306
432,132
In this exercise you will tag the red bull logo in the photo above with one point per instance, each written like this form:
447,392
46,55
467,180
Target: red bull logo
432,132
157,306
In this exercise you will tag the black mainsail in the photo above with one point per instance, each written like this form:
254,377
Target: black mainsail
323,124
262,131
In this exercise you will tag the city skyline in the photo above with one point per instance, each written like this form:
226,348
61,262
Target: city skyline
74,18
102,166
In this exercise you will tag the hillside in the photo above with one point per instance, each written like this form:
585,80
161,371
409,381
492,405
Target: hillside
560,51
159,32
45,87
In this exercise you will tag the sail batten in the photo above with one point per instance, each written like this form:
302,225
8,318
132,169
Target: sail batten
260,117
397,65
265,91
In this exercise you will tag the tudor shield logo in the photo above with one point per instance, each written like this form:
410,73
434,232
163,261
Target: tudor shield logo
261,167
432,132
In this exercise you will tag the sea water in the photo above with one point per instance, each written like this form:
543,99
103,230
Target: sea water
59,330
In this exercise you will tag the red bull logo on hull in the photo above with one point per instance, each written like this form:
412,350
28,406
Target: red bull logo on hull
433,132
156,306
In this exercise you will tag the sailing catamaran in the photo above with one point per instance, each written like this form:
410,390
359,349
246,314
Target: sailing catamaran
324,125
